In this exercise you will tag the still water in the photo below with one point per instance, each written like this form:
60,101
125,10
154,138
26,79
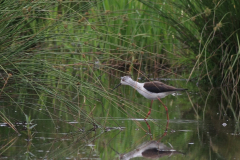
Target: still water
204,124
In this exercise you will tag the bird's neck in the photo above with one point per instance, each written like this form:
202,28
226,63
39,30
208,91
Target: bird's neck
134,84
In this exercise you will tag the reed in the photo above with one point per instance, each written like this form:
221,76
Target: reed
210,29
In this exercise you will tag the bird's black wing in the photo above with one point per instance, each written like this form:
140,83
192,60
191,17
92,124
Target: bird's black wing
159,87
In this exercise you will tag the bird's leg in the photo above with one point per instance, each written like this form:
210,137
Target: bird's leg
149,112
165,132
149,128
165,108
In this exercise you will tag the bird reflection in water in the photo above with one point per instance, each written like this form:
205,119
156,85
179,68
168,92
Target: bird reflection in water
150,149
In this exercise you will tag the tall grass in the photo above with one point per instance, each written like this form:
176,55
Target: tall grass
208,33
215,37
50,48
60,50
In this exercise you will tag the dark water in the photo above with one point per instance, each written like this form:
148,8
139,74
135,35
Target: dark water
204,124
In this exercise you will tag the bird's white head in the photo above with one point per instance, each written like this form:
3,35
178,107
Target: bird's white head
126,80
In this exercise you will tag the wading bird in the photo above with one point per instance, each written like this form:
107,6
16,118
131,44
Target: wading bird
150,90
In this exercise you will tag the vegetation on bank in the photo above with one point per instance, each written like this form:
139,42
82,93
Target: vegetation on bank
135,35
75,43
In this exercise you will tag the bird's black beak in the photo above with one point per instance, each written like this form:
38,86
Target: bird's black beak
117,86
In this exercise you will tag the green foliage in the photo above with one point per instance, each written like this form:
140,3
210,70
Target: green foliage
215,36
55,52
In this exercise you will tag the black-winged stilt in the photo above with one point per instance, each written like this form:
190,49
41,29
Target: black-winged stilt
150,90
